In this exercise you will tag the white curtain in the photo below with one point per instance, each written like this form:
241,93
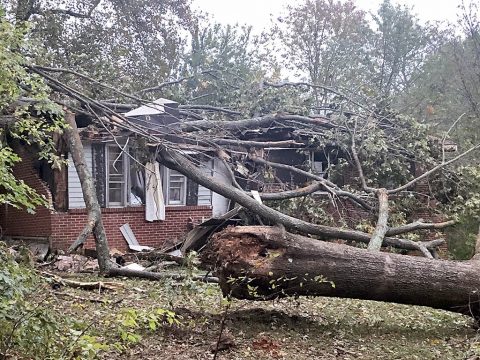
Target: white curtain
154,203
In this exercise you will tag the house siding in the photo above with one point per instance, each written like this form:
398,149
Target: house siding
75,194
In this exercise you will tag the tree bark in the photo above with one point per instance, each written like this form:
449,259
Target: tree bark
476,256
376,241
174,160
268,262
94,221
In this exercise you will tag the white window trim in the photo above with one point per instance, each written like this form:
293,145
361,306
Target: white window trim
126,173
183,201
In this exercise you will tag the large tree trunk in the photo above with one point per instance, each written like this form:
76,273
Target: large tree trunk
268,262
94,222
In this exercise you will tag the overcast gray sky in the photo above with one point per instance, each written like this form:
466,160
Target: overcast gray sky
257,12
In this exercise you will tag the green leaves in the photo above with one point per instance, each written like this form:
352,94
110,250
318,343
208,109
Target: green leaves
25,96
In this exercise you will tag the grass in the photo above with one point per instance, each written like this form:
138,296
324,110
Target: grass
305,328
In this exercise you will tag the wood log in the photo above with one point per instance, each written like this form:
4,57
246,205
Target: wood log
262,263
159,276
94,221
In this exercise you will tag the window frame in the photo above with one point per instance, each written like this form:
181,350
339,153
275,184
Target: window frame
313,168
183,200
125,176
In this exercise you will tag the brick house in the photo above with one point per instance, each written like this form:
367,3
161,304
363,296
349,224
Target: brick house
125,195
122,190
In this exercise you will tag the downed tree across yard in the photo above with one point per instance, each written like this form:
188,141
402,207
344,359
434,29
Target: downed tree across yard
263,263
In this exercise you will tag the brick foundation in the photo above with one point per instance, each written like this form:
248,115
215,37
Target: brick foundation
178,220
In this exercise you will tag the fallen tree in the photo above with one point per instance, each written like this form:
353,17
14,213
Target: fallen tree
267,262
264,263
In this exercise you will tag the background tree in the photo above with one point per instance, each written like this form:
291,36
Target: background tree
324,41
400,46
132,43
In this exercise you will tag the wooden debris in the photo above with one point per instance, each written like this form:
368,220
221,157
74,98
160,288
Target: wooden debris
75,297
95,285
159,276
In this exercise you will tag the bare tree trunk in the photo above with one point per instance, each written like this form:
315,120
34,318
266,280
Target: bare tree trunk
94,222
376,241
476,256
268,262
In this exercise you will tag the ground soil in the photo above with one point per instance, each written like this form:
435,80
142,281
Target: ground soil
305,328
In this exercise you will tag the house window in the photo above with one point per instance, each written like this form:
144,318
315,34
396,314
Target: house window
117,175
176,188
317,163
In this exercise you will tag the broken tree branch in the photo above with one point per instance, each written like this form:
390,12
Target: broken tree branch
176,161
433,170
210,108
256,122
158,276
419,225
327,185
381,228
259,144
94,285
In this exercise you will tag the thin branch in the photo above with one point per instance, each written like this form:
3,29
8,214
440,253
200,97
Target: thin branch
419,225
173,82
210,108
358,165
327,185
68,12
259,144
447,133
314,86
432,171
289,194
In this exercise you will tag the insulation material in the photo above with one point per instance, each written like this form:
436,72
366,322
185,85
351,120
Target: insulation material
154,202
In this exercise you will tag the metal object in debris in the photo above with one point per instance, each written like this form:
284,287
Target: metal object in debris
132,240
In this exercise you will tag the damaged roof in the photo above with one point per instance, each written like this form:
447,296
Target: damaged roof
156,107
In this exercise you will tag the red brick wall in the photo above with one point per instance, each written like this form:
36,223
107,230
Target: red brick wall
178,220
18,222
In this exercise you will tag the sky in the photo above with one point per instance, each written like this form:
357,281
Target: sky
257,12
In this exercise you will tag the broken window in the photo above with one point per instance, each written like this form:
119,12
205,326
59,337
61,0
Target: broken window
137,185
117,174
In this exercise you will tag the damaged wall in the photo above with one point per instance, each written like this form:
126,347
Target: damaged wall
18,222
62,228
